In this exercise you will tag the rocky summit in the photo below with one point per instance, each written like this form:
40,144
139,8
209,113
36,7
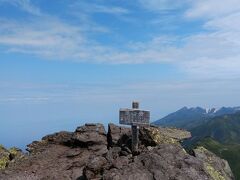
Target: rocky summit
91,153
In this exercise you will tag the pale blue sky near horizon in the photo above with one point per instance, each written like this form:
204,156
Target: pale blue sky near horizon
64,63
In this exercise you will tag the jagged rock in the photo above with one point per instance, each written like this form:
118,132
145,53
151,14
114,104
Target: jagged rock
126,149
118,135
94,167
63,137
216,167
37,146
88,153
113,153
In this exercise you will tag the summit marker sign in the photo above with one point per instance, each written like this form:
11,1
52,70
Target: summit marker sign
134,117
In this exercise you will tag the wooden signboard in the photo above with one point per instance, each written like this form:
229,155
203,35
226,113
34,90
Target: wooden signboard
134,117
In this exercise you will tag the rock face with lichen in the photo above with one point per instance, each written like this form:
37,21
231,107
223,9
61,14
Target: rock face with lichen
216,167
91,153
4,157
8,156
153,136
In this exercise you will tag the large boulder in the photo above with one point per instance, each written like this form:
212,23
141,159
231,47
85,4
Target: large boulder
91,136
152,136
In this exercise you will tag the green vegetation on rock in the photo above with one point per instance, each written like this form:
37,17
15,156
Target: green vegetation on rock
216,175
4,157
4,162
9,155
14,151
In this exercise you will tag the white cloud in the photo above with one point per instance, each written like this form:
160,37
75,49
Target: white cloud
212,8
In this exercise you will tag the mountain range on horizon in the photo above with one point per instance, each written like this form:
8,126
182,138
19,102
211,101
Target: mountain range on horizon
188,118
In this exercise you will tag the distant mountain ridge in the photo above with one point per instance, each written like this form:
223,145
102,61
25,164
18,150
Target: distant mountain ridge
191,117
225,129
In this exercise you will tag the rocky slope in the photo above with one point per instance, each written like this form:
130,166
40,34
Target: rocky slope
91,153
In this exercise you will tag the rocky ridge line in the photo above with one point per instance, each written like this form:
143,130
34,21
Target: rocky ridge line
91,153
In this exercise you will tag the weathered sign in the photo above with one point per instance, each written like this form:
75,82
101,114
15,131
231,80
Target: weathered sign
134,116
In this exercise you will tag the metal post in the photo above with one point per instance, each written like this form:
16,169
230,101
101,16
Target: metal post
135,105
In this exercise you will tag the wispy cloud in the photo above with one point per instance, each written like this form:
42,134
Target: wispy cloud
161,5
212,8
210,54
96,8
47,37
25,5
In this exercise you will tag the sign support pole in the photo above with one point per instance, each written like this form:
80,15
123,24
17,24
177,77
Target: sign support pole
134,138
135,105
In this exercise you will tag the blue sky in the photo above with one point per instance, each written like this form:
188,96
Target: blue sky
65,62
